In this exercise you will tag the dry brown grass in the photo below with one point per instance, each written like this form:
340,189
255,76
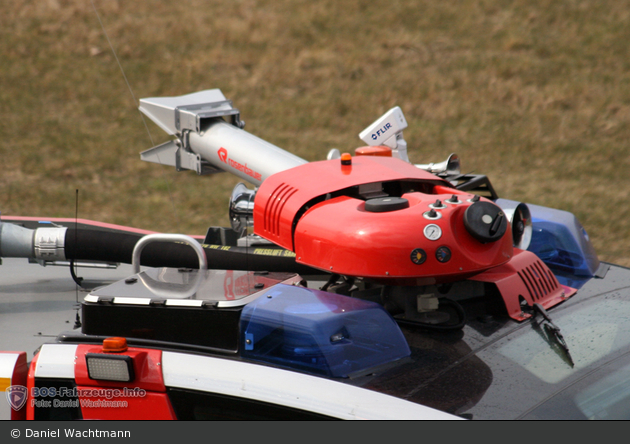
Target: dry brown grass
535,94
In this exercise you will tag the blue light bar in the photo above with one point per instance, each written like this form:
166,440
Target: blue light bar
319,332
560,241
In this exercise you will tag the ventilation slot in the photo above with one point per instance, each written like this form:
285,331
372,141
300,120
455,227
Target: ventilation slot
539,280
273,210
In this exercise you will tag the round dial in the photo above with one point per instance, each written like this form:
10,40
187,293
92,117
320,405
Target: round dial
432,232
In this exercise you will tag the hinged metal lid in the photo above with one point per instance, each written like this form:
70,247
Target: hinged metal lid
190,288
187,112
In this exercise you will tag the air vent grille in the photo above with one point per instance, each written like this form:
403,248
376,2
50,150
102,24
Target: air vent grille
539,280
273,210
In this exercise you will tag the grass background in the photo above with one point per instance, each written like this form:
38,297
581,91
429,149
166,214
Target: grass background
533,93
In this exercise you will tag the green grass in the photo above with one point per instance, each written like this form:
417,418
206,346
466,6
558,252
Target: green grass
535,94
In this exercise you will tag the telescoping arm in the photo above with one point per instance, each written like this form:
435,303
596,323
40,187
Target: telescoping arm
207,143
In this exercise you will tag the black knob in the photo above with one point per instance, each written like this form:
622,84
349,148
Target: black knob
385,204
485,221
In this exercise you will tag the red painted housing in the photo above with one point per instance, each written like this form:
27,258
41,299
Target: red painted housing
526,278
143,398
318,211
18,377
148,378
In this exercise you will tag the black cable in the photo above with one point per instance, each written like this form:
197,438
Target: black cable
77,280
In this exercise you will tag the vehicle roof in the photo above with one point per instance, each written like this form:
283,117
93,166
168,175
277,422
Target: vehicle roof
494,368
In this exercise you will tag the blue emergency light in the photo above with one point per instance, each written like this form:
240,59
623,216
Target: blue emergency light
319,332
561,242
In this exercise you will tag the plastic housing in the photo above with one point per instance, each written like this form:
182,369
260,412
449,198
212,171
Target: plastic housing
318,210
319,332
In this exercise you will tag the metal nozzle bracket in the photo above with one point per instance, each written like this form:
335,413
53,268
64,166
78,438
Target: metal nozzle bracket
150,238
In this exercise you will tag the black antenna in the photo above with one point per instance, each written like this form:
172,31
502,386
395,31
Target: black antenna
73,266
77,280
135,102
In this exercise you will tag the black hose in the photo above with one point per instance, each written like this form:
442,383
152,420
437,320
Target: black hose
110,246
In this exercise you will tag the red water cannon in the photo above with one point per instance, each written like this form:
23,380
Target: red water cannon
374,216
381,218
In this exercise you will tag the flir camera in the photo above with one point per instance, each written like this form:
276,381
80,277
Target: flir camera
387,131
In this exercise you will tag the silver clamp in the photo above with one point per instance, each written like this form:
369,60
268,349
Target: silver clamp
49,244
